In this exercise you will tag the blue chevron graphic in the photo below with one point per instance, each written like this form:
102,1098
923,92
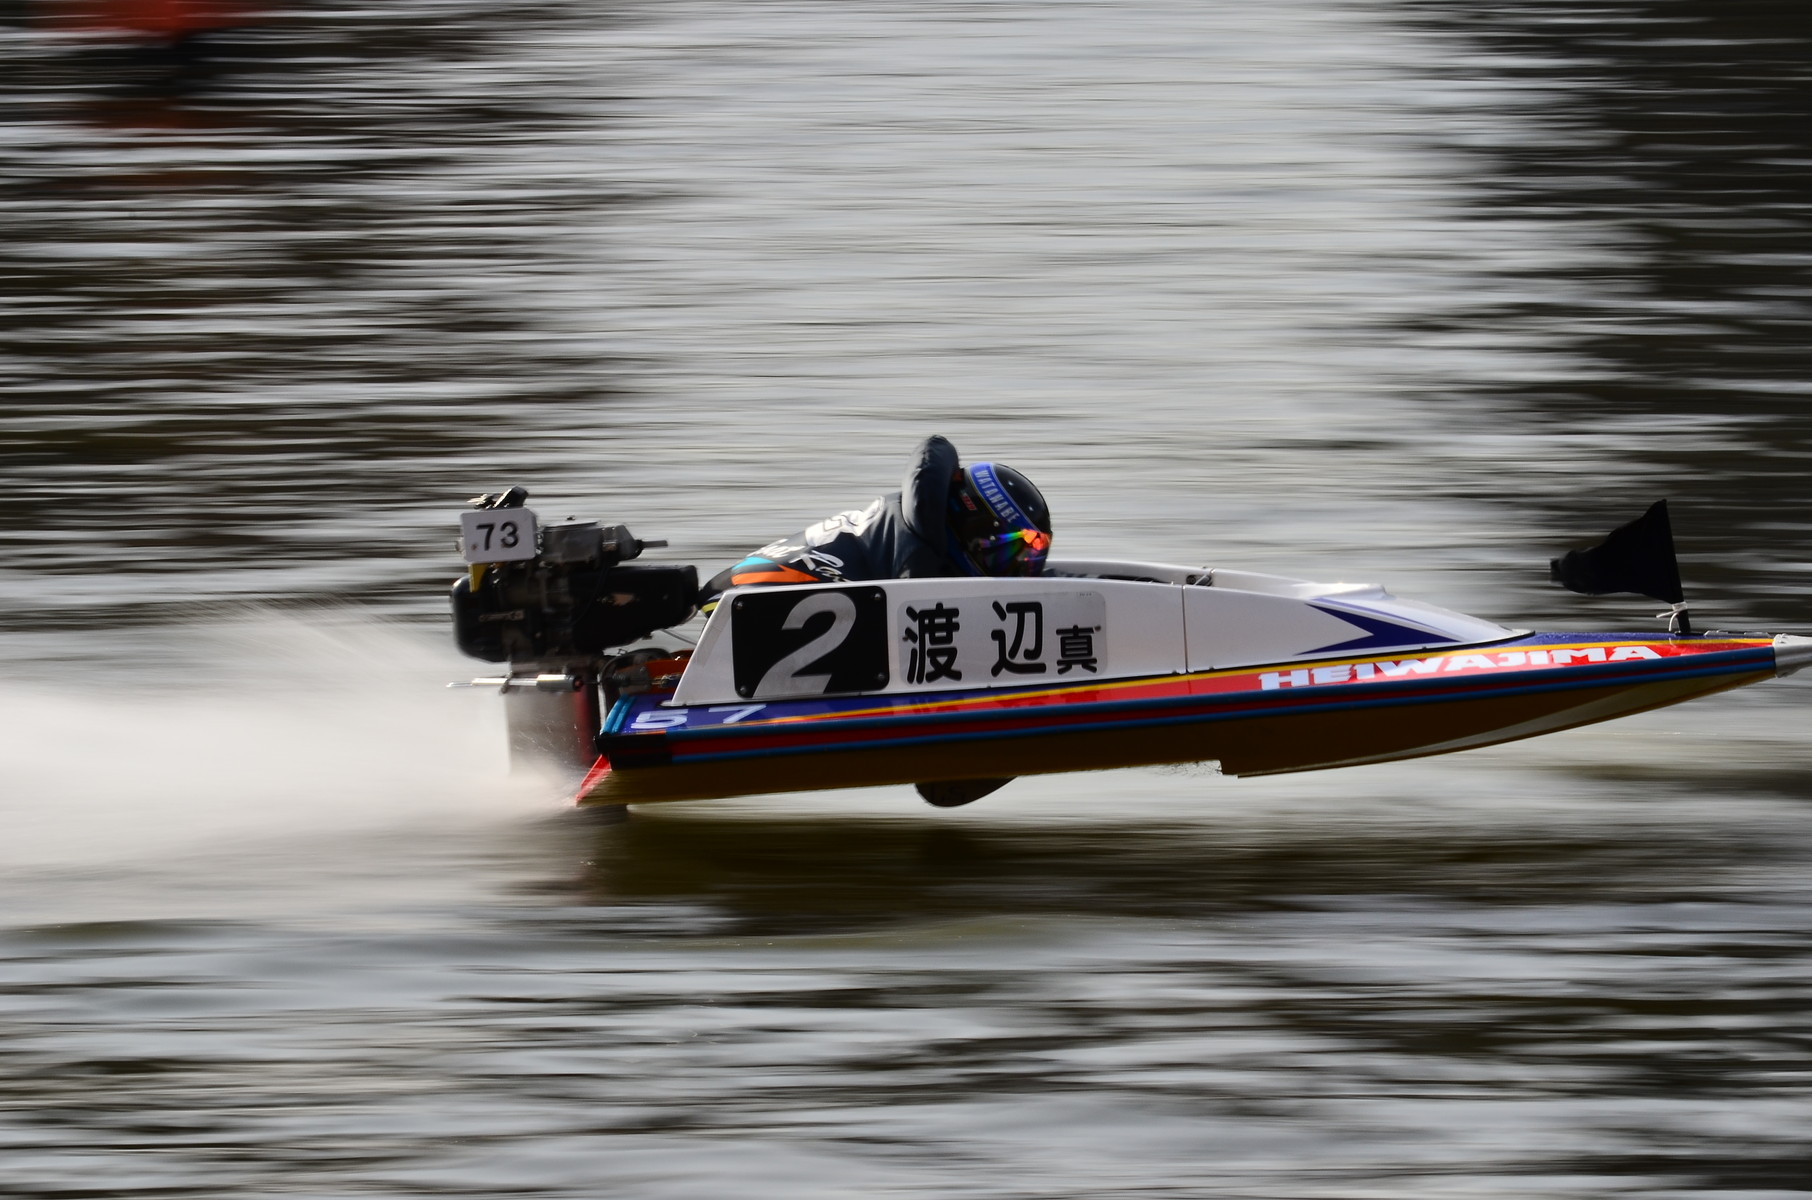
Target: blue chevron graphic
1379,633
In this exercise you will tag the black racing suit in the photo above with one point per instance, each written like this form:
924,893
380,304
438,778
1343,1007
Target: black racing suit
902,535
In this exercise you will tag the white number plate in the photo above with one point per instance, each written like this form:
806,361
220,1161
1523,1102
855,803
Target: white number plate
494,535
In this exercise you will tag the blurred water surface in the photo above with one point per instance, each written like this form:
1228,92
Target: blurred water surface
1423,292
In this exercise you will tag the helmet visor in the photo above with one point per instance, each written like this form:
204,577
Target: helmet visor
1020,552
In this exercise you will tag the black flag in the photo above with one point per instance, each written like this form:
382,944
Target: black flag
1638,557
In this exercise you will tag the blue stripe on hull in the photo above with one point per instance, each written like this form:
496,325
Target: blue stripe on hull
1080,717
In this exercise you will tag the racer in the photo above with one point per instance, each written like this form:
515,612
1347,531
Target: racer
946,519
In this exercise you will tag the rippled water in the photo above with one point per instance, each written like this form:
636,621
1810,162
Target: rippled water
1423,292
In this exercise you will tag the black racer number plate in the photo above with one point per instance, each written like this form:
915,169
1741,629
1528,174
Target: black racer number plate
818,643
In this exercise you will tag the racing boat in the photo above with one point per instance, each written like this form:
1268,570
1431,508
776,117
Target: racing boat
958,685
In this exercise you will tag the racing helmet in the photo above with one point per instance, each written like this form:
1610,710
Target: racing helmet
999,524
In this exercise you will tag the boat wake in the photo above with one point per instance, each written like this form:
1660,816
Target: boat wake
268,726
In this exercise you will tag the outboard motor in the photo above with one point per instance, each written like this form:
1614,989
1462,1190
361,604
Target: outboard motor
556,603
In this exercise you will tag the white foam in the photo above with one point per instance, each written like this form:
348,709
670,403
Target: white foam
266,726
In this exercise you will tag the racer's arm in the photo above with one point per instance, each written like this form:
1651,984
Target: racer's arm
834,550
756,570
